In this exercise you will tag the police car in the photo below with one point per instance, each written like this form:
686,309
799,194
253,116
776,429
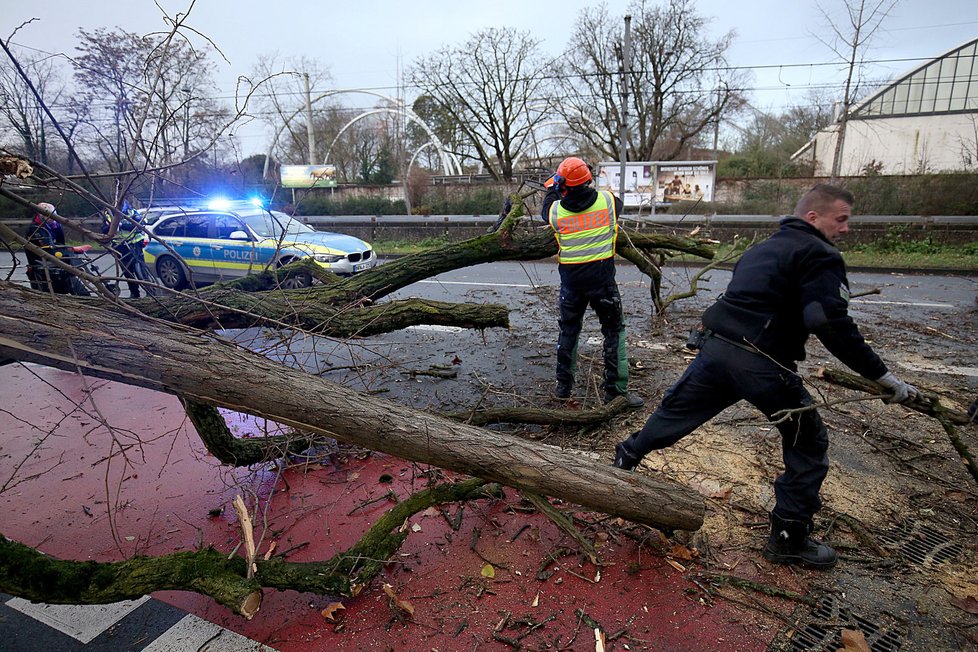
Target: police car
226,241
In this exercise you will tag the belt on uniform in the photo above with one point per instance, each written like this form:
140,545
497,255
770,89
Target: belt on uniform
739,345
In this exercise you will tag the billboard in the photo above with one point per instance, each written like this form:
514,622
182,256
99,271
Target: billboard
638,181
308,176
665,181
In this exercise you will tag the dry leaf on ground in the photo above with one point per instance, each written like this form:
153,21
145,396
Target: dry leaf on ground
329,613
968,604
853,641
403,605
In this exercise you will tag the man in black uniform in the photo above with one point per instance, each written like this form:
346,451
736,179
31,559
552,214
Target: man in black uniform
784,289
585,224
128,245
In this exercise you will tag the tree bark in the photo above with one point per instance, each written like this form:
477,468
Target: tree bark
59,332
232,308
541,416
217,438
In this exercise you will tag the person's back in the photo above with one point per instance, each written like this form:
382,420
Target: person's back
585,225
593,273
762,303
786,288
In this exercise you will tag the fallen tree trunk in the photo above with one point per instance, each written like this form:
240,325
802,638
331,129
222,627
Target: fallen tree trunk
516,239
541,416
228,449
231,308
59,332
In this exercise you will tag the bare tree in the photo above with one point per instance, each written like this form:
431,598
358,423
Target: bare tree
969,146
22,113
766,142
850,43
496,88
446,127
678,82
282,102
147,99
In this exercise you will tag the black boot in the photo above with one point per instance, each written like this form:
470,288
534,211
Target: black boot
561,390
789,543
625,459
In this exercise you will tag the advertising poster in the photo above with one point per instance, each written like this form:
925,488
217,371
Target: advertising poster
664,182
684,181
638,181
308,176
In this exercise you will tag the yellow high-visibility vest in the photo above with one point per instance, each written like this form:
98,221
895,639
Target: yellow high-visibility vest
586,236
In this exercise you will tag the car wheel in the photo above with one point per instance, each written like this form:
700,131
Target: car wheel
170,272
295,281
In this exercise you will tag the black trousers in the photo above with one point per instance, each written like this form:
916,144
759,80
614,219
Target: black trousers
723,374
606,303
133,264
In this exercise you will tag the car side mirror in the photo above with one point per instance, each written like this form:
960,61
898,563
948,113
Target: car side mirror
239,235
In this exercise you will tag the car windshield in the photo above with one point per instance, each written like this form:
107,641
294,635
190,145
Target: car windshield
273,224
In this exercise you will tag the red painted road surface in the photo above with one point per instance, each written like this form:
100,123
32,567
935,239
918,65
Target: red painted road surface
76,489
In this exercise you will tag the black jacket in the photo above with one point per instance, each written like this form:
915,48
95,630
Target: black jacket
548,199
784,289
583,275
48,235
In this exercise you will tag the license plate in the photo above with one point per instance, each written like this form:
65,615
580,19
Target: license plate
360,267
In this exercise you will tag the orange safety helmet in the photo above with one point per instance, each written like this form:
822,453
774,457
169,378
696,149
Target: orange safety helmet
572,171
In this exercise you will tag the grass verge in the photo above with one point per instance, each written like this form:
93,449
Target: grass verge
910,257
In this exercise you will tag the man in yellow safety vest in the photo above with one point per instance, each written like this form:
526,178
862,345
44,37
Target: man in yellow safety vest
585,223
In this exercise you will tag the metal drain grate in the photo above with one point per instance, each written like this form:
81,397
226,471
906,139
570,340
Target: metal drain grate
921,544
826,622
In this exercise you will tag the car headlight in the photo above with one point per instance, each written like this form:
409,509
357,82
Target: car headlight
328,258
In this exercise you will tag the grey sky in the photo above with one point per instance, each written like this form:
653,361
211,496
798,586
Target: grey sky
363,42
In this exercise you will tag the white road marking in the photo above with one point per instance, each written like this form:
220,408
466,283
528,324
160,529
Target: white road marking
193,633
488,285
906,303
436,327
940,368
919,304
83,623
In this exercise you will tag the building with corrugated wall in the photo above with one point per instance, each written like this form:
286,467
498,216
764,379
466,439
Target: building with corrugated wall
925,121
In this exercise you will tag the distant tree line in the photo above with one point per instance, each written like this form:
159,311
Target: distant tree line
494,102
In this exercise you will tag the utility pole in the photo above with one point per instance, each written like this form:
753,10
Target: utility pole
187,94
716,126
401,136
626,65
309,130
